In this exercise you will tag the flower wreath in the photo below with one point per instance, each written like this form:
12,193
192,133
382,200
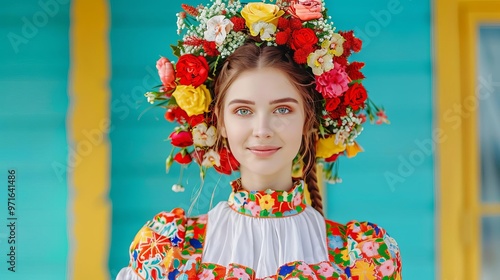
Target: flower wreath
211,33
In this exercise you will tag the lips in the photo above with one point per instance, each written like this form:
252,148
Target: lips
263,151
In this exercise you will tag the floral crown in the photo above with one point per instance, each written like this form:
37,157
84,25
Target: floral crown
213,32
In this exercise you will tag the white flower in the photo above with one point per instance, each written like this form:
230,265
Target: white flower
177,188
217,29
210,159
320,61
335,45
265,29
151,97
203,137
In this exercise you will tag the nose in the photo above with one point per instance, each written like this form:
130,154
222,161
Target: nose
263,127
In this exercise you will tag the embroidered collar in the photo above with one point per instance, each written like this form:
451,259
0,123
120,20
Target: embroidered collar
269,203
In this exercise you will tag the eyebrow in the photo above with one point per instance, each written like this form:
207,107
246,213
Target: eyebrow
281,100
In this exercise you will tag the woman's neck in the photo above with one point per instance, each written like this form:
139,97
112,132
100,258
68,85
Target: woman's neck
252,182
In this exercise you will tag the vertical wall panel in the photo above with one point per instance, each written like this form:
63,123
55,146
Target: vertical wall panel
34,55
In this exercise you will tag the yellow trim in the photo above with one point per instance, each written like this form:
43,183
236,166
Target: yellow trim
89,128
490,209
457,22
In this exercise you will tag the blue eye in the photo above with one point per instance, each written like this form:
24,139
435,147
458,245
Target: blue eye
282,110
242,112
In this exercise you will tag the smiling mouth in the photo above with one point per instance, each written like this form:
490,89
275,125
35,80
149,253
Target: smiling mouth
263,152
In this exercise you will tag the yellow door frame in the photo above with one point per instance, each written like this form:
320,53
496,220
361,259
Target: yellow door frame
460,210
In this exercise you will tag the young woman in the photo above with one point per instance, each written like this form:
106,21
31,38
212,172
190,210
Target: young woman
268,111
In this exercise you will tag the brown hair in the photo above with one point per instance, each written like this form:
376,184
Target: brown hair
251,56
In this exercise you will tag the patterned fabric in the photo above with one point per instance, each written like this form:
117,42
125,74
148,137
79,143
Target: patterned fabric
171,245
269,203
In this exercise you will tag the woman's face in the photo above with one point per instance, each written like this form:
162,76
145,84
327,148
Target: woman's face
263,122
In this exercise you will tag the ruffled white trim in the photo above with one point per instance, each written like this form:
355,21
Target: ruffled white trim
127,273
264,244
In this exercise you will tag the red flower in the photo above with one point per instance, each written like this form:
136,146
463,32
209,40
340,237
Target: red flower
210,48
341,60
192,70
340,111
362,117
357,44
238,23
334,157
196,119
282,37
181,139
353,70
302,38
295,23
177,114
332,104
300,56
197,155
183,159
170,115
283,23
227,162
190,10
355,96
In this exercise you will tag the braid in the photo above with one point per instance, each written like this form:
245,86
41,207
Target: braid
312,179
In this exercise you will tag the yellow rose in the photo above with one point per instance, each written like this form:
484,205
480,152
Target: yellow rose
193,100
326,147
255,12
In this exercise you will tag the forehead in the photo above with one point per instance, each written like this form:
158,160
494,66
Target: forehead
262,85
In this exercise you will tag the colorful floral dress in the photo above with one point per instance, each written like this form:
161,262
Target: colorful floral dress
261,235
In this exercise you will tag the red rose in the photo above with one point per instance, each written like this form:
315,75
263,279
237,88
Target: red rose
183,159
177,114
181,139
355,96
192,70
227,162
303,37
332,104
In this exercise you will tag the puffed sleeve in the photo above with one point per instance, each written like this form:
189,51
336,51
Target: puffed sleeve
373,254
155,246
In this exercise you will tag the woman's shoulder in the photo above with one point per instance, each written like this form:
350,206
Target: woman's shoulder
363,247
167,237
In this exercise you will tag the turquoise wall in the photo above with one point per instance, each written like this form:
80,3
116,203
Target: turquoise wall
391,183
34,65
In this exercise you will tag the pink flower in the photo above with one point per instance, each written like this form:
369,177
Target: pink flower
333,83
387,268
370,248
306,9
297,200
326,269
240,273
254,208
166,73
306,270
382,118
207,274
